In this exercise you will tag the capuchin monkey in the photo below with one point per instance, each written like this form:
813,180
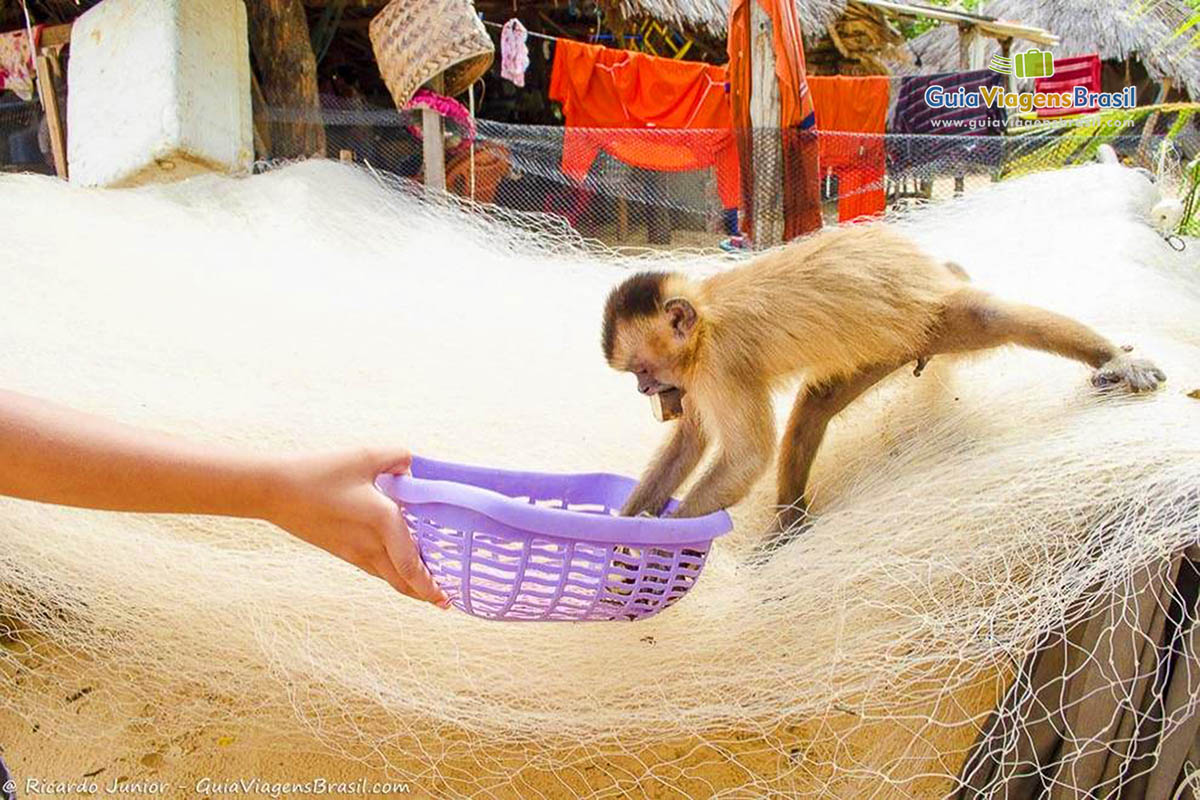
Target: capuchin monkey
845,308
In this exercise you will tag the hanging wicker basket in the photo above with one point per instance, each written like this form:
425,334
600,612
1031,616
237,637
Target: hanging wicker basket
417,40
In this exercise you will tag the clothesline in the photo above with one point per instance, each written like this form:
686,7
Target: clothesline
893,78
534,34
548,38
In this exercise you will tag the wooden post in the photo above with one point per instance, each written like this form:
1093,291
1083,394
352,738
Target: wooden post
49,96
1006,51
768,144
433,144
471,154
966,38
658,216
623,178
287,67
1145,151
1010,83
1164,89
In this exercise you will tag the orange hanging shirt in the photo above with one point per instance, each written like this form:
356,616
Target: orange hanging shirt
846,106
649,112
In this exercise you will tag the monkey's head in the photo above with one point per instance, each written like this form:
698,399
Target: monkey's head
650,329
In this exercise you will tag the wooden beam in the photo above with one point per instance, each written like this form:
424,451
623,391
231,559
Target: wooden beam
49,96
908,10
1000,30
987,26
48,67
287,69
54,36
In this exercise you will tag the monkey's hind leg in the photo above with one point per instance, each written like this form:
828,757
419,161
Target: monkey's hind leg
814,407
975,320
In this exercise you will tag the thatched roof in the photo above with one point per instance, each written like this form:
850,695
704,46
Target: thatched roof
712,15
1115,29
860,42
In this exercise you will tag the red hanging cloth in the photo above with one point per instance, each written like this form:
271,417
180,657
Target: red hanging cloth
1068,73
846,106
649,112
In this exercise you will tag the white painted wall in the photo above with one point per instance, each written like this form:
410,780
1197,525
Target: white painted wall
158,90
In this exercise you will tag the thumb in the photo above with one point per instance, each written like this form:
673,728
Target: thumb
393,462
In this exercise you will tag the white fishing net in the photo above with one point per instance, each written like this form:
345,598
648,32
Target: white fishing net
960,517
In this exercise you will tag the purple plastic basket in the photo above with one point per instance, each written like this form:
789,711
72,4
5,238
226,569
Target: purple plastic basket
533,546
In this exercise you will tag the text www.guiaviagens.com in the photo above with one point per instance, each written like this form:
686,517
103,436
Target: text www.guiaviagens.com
210,787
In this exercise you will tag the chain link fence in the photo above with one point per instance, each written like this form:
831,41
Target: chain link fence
24,138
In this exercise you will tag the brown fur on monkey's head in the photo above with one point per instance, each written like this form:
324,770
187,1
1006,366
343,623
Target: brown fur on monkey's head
649,329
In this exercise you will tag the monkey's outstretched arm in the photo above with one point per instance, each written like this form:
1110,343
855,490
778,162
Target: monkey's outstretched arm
747,441
673,463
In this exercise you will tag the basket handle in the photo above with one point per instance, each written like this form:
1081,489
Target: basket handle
553,522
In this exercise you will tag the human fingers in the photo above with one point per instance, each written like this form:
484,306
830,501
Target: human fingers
406,561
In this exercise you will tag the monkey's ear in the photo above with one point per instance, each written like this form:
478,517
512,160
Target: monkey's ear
682,315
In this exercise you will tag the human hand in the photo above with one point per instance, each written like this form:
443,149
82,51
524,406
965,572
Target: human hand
331,501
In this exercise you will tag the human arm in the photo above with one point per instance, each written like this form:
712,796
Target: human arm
54,454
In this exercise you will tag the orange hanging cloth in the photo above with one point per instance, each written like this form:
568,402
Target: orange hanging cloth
845,107
650,112
797,120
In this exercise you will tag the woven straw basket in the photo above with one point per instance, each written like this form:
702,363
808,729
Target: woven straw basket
417,40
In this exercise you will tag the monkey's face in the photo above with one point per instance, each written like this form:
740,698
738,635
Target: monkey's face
656,347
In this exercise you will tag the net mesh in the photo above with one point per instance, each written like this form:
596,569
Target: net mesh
619,201
600,182
965,521
21,136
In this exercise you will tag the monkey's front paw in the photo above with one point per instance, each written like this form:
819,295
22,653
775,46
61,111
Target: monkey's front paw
790,524
692,506
789,517
636,507
1138,374
683,512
